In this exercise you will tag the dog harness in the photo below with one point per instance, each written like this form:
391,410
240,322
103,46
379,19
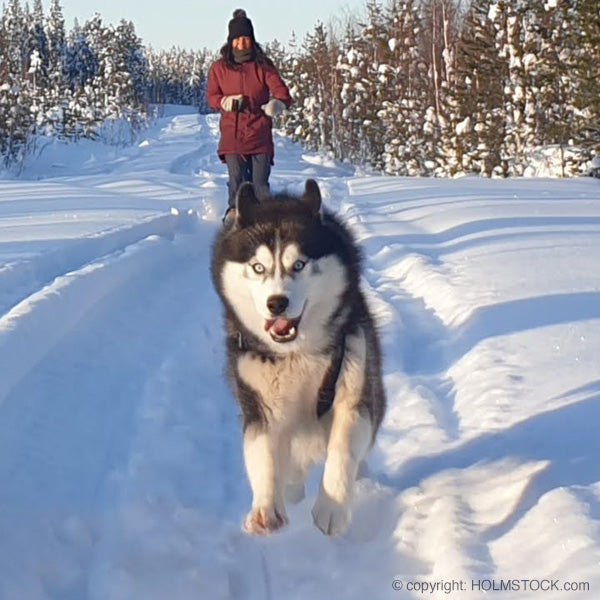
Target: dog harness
327,389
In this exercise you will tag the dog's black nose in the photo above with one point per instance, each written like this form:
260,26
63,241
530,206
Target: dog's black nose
277,304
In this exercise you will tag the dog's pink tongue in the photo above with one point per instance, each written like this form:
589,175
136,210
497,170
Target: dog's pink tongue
282,326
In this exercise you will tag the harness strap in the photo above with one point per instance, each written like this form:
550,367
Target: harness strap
327,389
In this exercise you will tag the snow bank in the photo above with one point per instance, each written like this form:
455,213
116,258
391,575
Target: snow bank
30,329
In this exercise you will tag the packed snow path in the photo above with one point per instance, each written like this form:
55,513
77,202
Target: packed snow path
120,459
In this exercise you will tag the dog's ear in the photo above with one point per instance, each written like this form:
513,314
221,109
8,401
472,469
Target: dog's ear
312,196
245,203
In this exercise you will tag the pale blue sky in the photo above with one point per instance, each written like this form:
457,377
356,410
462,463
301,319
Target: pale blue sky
166,23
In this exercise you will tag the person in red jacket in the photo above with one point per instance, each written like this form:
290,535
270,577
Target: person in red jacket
246,88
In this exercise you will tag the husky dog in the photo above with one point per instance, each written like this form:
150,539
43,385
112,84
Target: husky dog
303,355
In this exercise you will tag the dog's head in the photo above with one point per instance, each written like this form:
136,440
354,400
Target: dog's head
285,268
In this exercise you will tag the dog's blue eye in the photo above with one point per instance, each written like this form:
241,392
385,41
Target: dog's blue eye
258,268
299,265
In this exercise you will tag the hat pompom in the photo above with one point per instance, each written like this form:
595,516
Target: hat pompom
239,13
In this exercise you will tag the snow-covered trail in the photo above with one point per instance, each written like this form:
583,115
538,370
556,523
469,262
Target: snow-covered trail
120,454
119,448
120,461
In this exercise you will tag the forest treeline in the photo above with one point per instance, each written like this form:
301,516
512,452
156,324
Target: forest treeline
418,88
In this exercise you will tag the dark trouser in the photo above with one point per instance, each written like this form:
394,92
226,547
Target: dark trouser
255,168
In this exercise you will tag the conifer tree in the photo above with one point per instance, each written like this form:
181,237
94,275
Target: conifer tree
81,62
351,68
439,26
404,108
57,45
14,95
294,123
404,91
38,47
317,105
5,96
587,103
375,74
14,34
566,69
476,100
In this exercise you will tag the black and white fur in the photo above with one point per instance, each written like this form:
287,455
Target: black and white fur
303,356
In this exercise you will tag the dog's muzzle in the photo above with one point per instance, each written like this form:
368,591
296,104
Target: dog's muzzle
282,330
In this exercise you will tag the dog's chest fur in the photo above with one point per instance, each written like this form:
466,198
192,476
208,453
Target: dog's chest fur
288,386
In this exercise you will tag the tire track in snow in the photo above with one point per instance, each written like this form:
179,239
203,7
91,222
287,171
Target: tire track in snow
119,452
67,418
180,492
30,330
23,278
140,470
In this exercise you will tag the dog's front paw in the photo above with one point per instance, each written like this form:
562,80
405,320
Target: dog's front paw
329,516
264,520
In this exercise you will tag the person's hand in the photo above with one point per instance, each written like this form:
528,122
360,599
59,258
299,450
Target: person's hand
227,102
273,107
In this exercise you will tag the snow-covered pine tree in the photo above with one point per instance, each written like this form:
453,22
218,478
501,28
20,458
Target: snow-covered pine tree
438,48
196,81
117,87
37,65
80,69
93,37
4,91
15,96
276,52
37,50
121,75
294,123
133,62
14,33
353,99
177,76
57,98
376,78
475,103
57,42
513,40
565,68
587,102
317,69
542,46
161,76
81,62
404,102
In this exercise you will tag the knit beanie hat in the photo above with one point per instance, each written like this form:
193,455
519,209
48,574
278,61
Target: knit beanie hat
240,25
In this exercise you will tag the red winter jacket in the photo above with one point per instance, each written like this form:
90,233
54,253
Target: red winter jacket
249,131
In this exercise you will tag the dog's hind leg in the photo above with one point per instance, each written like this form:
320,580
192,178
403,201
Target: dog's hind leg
261,458
294,480
294,493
